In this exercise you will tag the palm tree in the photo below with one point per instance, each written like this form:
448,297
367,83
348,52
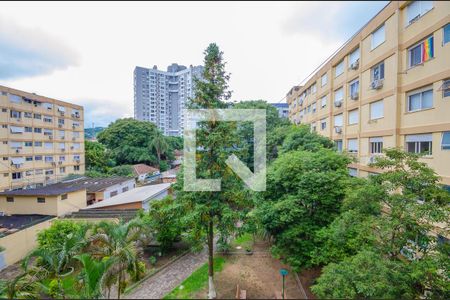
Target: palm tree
22,286
160,145
58,262
93,275
119,242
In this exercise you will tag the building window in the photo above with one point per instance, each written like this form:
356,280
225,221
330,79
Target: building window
417,9
15,114
63,196
323,101
9,199
419,100
48,172
38,144
421,52
353,59
352,145
324,79
378,72
37,116
353,117
445,140
339,69
114,193
16,175
38,157
376,110
338,97
323,124
338,120
353,172
28,144
40,200
338,144
28,129
62,170
378,37
313,107
354,89
124,189
376,145
446,37
37,130
29,158
38,172
420,143
446,88
28,115
76,168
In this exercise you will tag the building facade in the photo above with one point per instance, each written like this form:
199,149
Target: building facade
42,140
160,96
388,86
283,109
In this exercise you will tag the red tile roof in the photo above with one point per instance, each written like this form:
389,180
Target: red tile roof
140,169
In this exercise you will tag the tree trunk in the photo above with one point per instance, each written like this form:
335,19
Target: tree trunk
120,284
211,288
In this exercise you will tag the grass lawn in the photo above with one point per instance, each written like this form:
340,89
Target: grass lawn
245,241
196,281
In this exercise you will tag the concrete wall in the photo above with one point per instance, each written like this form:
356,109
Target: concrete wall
20,243
53,205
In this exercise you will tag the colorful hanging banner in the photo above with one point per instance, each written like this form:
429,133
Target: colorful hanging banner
428,51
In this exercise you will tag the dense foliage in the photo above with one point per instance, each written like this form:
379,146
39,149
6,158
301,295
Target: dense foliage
126,142
384,244
304,194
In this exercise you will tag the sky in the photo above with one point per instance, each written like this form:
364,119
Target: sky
85,52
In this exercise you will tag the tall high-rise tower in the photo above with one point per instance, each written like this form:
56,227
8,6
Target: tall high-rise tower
160,96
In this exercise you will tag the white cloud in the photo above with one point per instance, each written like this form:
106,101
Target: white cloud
29,52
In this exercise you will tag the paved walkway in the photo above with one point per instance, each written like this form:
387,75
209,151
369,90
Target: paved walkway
165,281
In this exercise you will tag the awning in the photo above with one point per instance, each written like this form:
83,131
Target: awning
15,129
419,138
17,160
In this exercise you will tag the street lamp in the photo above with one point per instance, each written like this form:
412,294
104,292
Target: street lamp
283,273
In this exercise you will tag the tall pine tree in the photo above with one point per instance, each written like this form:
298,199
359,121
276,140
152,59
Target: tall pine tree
207,211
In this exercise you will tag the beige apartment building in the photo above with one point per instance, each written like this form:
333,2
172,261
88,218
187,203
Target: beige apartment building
41,139
388,86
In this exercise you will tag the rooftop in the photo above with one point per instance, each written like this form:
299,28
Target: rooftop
96,184
140,169
91,185
13,223
139,194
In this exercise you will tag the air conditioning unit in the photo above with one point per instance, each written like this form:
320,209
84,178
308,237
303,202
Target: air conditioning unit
355,65
373,158
338,129
60,125
354,96
338,103
377,84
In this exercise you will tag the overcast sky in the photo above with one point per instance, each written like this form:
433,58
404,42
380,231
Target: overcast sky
85,53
